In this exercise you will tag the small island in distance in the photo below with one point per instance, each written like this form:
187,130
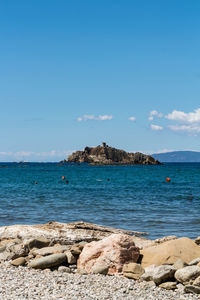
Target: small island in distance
106,155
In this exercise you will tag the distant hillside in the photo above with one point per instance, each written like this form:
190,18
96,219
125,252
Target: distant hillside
178,156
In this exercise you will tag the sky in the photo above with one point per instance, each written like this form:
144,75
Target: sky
77,73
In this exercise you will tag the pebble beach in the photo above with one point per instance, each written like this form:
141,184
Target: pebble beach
23,283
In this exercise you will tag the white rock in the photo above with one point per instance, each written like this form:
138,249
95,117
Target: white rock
184,275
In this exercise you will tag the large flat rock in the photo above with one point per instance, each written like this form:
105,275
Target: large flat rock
169,252
63,233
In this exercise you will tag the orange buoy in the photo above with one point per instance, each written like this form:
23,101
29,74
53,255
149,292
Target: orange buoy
168,179
63,177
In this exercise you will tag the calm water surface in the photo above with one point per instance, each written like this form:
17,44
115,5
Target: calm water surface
131,197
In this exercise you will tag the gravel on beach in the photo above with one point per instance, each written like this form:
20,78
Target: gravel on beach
24,283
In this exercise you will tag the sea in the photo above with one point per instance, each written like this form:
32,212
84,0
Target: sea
135,197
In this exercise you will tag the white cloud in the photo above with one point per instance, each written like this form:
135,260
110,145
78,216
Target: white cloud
153,114
158,151
97,118
132,119
187,128
191,117
156,127
5,153
52,155
104,117
162,151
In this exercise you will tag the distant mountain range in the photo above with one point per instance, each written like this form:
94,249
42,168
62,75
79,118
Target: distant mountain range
178,156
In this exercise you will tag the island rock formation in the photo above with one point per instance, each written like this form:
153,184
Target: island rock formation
105,155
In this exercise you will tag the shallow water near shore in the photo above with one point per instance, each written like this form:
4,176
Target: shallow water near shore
130,197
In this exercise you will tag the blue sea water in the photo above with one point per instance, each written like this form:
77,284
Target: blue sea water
130,197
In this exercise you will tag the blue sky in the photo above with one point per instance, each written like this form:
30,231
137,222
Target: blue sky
73,73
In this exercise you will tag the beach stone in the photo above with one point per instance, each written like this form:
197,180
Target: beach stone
169,285
186,274
113,251
194,261
179,264
20,261
81,272
76,249
50,250
17,250
163,273
169,252
197,281
2,248
27,259
71,259
64,269
180,288
82,244
39,242
192,289
149,272
197,240
149,284
48,261
5,255
132,270
102,269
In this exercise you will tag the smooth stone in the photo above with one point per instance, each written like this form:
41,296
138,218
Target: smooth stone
82,272
17,250
76,249
179,264
149,272
192,289
197,281
132,270
150,283
39,242
82,244
180,288
194,261
64,269
169,285
50,250
20,261
188,273
2,248
71,259
102,269
48,261
163,273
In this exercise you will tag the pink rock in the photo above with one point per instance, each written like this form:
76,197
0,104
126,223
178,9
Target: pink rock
112,252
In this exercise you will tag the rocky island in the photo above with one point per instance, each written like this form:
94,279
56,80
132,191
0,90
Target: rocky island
106,155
